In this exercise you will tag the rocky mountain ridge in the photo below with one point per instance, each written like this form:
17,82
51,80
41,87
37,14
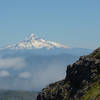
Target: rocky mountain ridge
82,81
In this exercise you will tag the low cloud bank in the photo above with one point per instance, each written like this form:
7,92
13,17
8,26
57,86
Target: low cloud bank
49,75
19,73
14,63
33,80
4,73
25,75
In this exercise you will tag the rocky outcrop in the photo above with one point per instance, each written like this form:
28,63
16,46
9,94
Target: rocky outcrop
82,81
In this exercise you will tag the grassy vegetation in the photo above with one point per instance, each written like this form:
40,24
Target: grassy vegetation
68,96
54,90
93,93
97,55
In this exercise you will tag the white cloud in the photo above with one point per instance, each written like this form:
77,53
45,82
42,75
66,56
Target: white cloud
25,75
52,73
4,73
15,63
34,80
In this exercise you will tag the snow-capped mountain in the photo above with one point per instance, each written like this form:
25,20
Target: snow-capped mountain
34,42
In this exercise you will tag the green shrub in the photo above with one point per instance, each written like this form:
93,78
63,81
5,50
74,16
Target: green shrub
97,55
93,93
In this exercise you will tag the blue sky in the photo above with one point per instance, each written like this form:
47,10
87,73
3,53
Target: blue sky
72,22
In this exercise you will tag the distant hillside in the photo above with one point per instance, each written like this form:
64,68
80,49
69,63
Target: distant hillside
82,81
17,95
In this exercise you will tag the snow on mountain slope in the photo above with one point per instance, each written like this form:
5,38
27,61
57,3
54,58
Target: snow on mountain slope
34,42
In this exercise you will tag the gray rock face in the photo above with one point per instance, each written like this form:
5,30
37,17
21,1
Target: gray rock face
78,80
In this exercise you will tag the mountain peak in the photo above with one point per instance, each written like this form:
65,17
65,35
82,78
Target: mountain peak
35,42
32,35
